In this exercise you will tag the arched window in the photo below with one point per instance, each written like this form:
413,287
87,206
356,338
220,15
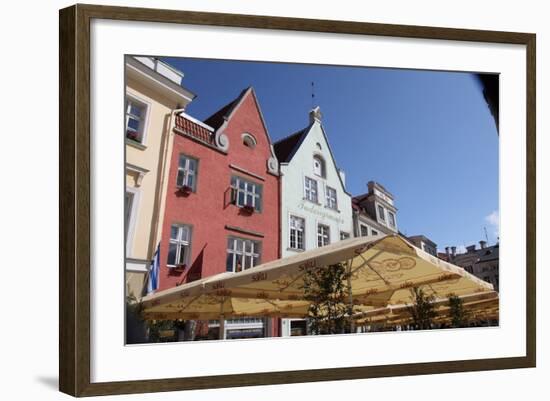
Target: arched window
249,140
319,166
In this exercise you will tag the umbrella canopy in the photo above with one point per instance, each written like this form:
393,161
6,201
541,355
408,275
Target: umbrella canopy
481,305
191,301
381,272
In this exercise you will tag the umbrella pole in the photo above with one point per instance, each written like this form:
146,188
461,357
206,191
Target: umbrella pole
352,321
222,327
222,322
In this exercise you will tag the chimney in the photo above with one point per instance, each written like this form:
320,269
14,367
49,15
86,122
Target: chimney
448,252
483,244
470,248
453,251
315,115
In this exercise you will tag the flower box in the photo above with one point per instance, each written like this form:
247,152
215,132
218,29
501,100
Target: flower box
248,209
185,189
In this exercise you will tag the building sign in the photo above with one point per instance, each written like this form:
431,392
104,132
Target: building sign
321,213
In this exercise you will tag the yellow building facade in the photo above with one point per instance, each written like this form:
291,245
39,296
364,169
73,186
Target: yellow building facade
153,95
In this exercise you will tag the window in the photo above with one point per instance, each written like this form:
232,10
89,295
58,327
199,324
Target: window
187,172
332,202
364,231
319,166
128,203
311,190
391,218
242,254
179,248
297,228
374,232
323,235
249,141
381,214
246,193
344,235
135,120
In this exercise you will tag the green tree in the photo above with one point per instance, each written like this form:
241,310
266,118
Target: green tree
327,290
422,311
459,317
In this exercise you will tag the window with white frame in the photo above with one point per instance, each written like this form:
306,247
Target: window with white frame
128,205
374,232
135,119
246,193
249,141
364,230
310,187
332,201
323,235
381,213
391,218
187,172
297,229
242,254
179,247
319,166
344,235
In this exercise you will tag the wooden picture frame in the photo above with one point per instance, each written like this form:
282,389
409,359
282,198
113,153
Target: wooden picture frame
75,207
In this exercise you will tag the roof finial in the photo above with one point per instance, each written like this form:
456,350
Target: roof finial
315,115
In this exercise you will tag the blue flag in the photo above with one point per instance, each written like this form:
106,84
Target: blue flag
153,281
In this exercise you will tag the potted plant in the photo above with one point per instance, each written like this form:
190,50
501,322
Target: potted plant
248,209
185,189
133,135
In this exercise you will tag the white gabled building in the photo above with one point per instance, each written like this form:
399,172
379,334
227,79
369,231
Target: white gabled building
315,206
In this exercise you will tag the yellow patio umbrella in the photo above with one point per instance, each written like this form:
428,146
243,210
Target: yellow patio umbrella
381,271
474,305
192,302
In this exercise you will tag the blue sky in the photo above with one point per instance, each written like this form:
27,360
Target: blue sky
427,136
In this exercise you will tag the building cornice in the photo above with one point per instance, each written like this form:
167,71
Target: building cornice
153,79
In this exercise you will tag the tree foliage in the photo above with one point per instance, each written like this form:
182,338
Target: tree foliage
459,316
423,310
327,291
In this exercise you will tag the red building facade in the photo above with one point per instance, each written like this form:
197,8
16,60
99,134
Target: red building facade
222,203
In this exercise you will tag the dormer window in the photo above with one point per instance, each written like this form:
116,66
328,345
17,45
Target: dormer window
391,217
319,166
381,213
249,141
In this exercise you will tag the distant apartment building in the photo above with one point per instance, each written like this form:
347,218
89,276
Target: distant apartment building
153,91
374,212
315,206
424,243
482,262
222,203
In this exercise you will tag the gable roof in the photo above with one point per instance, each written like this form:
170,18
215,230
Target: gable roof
286,147
218,118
